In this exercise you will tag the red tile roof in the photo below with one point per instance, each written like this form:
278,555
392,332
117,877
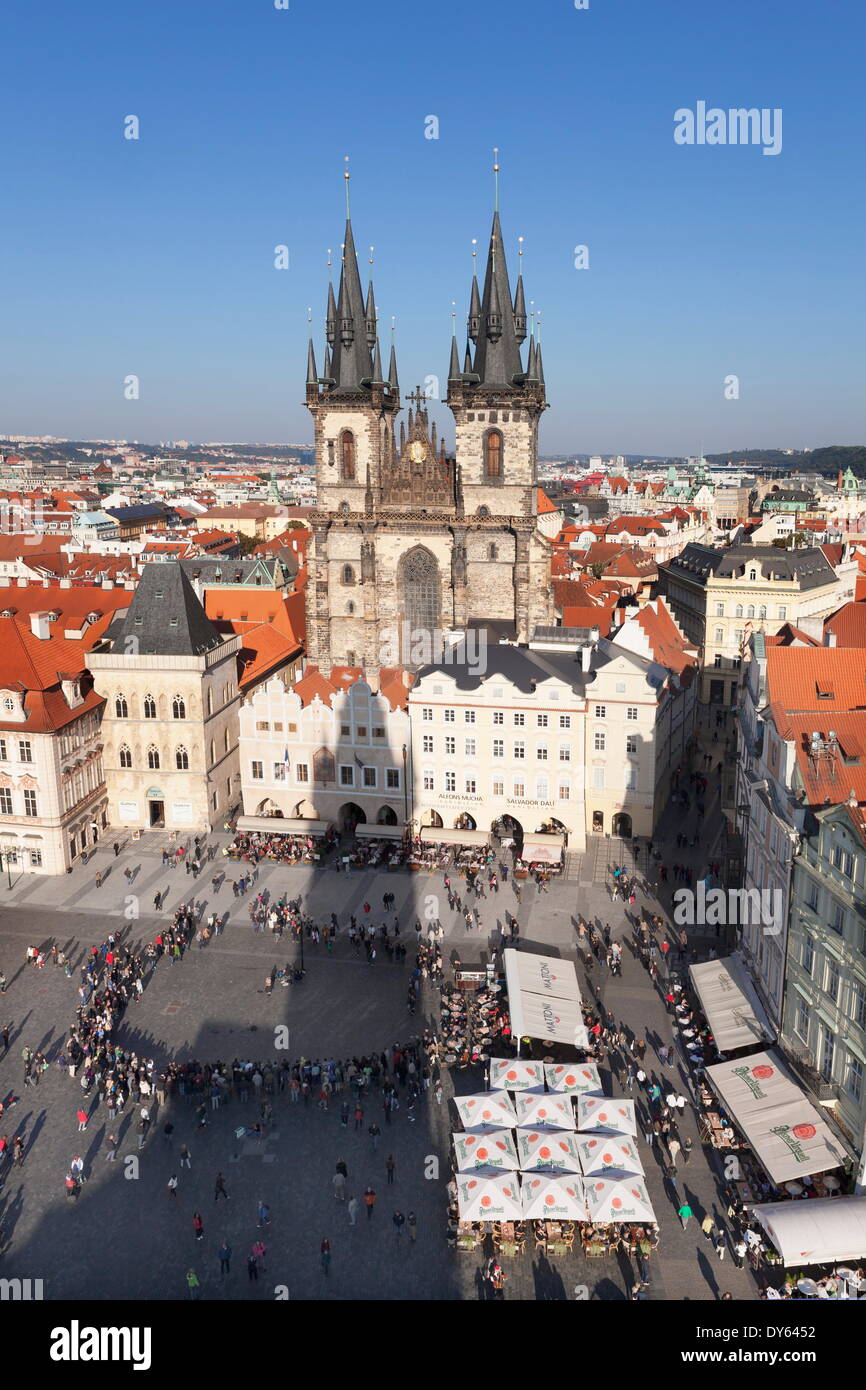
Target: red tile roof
848,625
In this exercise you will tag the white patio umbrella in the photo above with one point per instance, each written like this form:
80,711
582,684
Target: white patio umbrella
577,1078
489,1110
544,1111
601,1154
614,1116
617,1199
489,1197
493,1149
541,1150
548,1198
511,1074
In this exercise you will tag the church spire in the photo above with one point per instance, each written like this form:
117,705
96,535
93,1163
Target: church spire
370,316
520,300
312,375
351,363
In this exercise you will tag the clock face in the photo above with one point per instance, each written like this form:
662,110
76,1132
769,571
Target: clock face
416,451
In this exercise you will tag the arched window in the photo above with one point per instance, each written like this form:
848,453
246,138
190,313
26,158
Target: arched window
350,658
348,574
753,574
153,756
149,707
121,708
347,456
178,708
181,758
493,454
210,701
492,552
750,611
762,612
738,611
421,590
483,511
125,755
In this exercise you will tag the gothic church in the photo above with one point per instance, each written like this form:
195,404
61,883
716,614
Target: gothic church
403,534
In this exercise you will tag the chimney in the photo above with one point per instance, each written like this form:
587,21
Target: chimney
40,626
829,637
66,583
107,584
46,582
585,658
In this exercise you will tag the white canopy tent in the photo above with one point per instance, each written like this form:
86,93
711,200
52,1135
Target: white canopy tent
433,835
576,1079
731,1005
542,849
545,1111
489,1197
623,1199
547,1198
544,998
379,832
783,1127
511,1074
496,1149
540,1152
601,1155
612,1115
281,825
824,1230
489,1110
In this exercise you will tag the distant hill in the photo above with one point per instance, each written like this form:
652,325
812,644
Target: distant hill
827,460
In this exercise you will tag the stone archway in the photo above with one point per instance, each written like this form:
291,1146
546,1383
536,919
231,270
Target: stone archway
622,825
431,818
387,816
350,815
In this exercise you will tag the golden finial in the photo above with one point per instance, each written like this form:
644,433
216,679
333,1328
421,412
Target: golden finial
329,262
393,326
372,249
519,255
309,314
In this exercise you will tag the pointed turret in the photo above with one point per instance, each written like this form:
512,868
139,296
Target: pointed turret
531,368
497,359
370,316
378,379
351,362
312,374
454,367
467,361
539,369
331,320
474,320
519,311
327,373
392,374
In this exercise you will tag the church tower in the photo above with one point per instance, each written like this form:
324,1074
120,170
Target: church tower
404,537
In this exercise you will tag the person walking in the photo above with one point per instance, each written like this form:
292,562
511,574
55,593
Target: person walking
264,1214
375,1134
220,1188
740,1253
369,1201
225,1259
82,1121
252,1268
185,1161
673,1148
111,1148
325,1255
399,1221
685,1214
198,1226
171,1186
719,1244
412,1227
260,1250
339,1184
390,1169
352,1209
708,1225
192,1283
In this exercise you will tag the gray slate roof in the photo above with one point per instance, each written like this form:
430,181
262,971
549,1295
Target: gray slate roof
165,618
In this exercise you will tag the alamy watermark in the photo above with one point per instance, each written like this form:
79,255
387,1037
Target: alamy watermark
720,907
737,126
406,645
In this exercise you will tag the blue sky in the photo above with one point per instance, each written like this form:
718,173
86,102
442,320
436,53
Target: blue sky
155,257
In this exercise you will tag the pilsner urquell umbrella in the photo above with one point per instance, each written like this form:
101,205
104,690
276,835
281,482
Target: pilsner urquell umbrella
603,1154
488,1196
618,1199
541,1151
489,1110
578,1079
614,1116
514,1075
547,1198
494,1149
544,1111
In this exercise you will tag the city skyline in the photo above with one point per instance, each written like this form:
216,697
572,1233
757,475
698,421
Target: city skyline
712,264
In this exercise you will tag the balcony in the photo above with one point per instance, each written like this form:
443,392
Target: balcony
825,1092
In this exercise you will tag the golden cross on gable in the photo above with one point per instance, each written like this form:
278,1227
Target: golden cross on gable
418,397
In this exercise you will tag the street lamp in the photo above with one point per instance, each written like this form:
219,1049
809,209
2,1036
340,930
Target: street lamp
7,856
